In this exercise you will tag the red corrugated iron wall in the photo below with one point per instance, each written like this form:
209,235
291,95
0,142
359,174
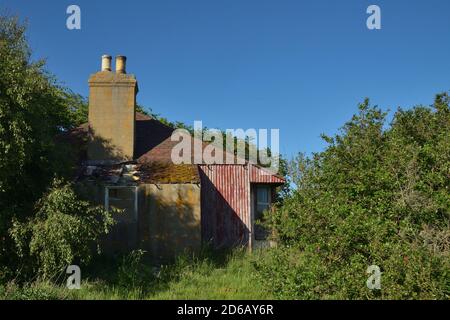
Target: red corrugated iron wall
225,197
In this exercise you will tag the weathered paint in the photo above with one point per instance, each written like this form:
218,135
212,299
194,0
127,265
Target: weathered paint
174,217
226,214
261,175
169,219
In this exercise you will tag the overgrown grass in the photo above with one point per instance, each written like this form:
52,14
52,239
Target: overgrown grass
233,278
227,275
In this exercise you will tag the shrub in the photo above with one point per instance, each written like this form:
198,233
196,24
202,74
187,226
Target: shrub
62,232
378,195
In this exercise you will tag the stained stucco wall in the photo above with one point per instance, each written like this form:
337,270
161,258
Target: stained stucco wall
168,220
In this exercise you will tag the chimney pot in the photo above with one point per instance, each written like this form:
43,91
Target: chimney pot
121,64
106,62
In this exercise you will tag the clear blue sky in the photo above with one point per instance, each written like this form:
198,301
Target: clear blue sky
300,66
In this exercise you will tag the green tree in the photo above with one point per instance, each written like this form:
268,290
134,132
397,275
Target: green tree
78,107
377,195
34,108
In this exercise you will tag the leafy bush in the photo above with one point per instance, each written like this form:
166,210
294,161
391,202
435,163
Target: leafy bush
62,232
378,195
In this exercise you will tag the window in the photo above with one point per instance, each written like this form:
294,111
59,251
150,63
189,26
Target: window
113,194
262,201
263,197
123,198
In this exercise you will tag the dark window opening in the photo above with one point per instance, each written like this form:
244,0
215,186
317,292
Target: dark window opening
263,199
122,201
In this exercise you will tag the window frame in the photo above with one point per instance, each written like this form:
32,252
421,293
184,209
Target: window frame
135,192
258,202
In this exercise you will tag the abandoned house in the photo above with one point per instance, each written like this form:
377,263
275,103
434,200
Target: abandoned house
125,163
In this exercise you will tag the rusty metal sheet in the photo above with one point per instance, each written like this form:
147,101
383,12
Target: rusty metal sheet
261,175
225,194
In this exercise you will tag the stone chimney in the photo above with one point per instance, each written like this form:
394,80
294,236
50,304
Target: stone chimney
112,105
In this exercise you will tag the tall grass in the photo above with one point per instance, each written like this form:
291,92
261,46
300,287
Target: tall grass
207,275
230,277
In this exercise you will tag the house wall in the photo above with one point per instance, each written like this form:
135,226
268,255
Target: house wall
226,214
173,218
169,219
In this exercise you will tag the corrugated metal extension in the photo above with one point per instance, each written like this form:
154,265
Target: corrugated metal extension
225,193
225,202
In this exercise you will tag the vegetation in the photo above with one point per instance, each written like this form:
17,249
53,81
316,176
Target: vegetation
61,233
33,110
226,275
375,196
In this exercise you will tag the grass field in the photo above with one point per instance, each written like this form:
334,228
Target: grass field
225,276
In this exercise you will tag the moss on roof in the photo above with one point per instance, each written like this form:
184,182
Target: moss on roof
164,172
